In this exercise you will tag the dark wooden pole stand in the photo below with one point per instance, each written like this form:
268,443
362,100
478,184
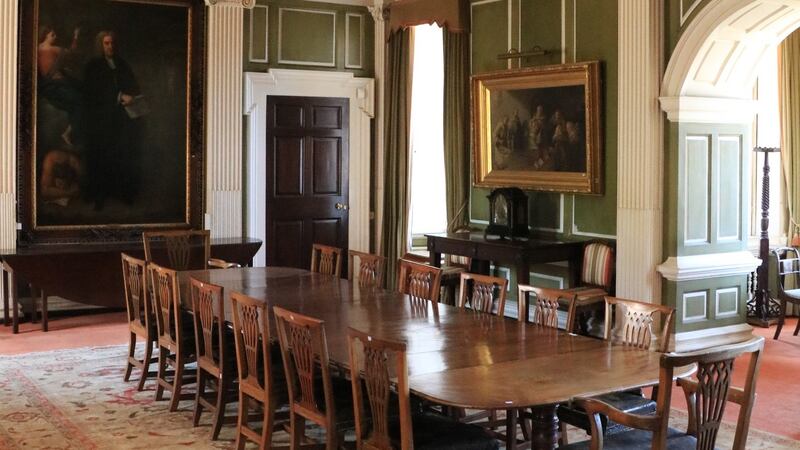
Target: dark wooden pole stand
762,310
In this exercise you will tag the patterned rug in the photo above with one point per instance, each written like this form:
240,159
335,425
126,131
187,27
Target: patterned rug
76,399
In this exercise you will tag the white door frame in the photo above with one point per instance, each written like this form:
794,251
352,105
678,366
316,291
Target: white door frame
308,83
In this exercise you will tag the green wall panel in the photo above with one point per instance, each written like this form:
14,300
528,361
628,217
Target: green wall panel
490,34
541,25
730,188
696,198
299,34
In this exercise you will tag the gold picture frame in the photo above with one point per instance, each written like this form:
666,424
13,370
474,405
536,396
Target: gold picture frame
539,128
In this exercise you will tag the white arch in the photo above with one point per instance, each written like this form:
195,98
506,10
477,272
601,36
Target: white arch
719,52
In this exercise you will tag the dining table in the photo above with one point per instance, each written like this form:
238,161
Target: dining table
456,357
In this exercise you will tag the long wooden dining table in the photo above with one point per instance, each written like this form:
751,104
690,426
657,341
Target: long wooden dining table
456,357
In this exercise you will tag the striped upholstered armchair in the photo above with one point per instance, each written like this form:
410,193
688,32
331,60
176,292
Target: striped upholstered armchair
597,279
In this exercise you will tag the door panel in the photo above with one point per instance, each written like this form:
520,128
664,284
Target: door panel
288,172
327,157
307,161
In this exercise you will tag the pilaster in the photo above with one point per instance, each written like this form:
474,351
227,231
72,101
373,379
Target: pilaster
8,124
640,155
224,151
378,11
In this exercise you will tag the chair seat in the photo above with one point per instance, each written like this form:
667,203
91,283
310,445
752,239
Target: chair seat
628,402
588,294
639,439
436,432
792,294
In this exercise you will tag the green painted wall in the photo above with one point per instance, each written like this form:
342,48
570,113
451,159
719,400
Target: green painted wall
299,34
585,30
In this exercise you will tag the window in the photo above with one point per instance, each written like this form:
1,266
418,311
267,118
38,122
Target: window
768,134
428,213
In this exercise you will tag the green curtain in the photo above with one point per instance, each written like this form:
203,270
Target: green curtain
789,99
456,128
394,241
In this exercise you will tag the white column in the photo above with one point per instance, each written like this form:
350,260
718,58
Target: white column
378,13
8,123
224,195
640,159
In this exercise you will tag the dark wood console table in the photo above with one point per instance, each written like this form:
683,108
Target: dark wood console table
89,273
518,254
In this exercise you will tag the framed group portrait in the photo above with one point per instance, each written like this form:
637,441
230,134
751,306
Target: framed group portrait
111,118
539,128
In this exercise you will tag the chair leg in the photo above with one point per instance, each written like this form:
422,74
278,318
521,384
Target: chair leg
162,369
241,440
331,437
148,355
219,414
781,318
298,430
797,327
562,434
177,384
4,292
269,423
201,390
131,352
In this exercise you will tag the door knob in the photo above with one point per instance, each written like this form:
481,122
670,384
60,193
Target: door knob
341,206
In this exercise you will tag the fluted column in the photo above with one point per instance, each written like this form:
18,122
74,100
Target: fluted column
640,159
8,123
224,195
378,12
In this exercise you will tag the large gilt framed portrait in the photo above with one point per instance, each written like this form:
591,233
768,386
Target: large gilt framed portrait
111,106
539,128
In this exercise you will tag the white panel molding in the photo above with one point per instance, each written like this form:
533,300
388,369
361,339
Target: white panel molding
331,63
709,109
224,119
253,12
640,160
711,265
574,230
378,15
702,297
8,125
705,239
738,215
544,276
717,313
308,83
360,64
560,228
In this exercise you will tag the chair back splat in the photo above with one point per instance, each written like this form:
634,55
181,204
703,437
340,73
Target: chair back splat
178,249
420,281
370,268
546,306
481,291
636,325
326,259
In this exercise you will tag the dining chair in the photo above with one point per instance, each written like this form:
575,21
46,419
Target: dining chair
370,268
419,281
304,351
483,293
375,366
788,260
707,394
215,362
452,267
629,323
141,322
260,378
176,346
326,259
546,306
182,250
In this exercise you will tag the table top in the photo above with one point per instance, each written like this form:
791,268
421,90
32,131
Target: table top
479,238
105,247
455,357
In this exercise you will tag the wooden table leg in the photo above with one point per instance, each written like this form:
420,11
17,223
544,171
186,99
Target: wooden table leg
44,311
14,297
544,427
511,429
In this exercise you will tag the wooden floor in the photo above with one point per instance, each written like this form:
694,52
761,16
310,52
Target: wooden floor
776,410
